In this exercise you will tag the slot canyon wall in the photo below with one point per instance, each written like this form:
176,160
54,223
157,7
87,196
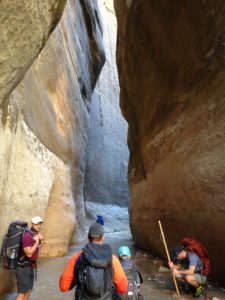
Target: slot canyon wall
171,72
44,122
52,124
45,119
107,152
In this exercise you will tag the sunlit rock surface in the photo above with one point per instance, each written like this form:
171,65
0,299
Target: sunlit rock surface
43,129
107,151
25,27
171,72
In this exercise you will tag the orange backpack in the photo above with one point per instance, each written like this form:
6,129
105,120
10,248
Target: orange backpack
194,246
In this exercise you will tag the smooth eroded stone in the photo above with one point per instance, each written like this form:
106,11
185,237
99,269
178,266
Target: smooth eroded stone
171,70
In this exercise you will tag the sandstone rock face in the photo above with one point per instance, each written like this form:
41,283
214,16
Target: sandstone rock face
171,72
8,282
107,152
25,27
43,130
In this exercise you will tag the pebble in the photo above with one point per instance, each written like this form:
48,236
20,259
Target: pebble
157,262
163,269
158,275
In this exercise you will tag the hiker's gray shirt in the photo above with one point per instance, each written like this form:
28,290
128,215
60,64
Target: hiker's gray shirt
195,261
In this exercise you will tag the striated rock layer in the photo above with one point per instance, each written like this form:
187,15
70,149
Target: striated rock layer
107,152
43,130
171,72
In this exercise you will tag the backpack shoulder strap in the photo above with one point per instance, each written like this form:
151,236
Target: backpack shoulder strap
140,278
23,259
27,229
77,267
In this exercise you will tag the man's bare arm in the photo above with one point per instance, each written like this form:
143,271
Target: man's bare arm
189,271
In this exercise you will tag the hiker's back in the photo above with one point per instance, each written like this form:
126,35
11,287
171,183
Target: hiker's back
93,270
134,280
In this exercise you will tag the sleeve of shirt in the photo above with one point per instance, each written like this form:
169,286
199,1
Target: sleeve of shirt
27,240
119,276
67,280
193,260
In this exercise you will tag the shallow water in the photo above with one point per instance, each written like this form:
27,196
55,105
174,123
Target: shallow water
50,269
155,285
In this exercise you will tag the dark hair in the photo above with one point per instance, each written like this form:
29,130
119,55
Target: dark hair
92,239
177,250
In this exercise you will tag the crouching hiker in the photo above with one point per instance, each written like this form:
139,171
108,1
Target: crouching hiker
94,271
26,265
191,265
133,275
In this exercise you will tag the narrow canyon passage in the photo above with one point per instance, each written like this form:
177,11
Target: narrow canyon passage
114,108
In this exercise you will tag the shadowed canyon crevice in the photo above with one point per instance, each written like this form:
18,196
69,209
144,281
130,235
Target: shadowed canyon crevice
107,152
63,140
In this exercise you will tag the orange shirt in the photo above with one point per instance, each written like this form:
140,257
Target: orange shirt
68,280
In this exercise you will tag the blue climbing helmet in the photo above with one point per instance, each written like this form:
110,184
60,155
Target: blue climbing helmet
123,251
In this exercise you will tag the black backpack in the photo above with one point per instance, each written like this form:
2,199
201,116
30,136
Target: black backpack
11,248
94,273
134,280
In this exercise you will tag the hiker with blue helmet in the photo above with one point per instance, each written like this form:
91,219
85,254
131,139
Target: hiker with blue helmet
133,275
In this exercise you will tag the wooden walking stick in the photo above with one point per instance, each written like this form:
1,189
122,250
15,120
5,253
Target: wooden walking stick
168,256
